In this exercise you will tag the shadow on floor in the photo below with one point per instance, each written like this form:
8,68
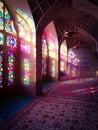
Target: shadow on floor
10,106
46,85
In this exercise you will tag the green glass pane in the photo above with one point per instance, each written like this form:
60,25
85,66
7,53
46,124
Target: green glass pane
1,39
1,18
7,16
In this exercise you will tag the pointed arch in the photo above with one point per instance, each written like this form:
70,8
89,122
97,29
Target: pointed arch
8,53
63,57
52,41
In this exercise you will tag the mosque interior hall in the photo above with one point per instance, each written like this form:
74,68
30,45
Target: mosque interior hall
49,65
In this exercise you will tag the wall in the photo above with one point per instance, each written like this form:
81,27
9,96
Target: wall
52,42
63,57
27,58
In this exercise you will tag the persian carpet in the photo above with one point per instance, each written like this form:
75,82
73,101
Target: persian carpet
79,89
67,105
47,113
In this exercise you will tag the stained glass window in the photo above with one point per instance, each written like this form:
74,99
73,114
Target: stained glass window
6,21
9,40
12,41
1,69
73,58
9,25
1,15
11,62
1,39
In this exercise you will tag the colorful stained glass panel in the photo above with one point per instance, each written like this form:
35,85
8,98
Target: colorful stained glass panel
11,68
1,15
12,41
1,69
1,39
9,25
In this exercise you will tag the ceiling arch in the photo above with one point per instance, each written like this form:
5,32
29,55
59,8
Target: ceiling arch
66,18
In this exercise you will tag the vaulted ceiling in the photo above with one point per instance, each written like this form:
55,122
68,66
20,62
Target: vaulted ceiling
78,19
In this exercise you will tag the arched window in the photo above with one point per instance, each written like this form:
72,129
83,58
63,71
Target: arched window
8,48
52,43
17,50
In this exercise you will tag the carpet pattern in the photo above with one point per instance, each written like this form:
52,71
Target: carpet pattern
46,113
65,105
81,89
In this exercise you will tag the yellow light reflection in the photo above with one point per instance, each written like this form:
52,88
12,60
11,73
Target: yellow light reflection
52,54
62,66
26,26
53,68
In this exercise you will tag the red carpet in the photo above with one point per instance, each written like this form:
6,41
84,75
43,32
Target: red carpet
59,109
